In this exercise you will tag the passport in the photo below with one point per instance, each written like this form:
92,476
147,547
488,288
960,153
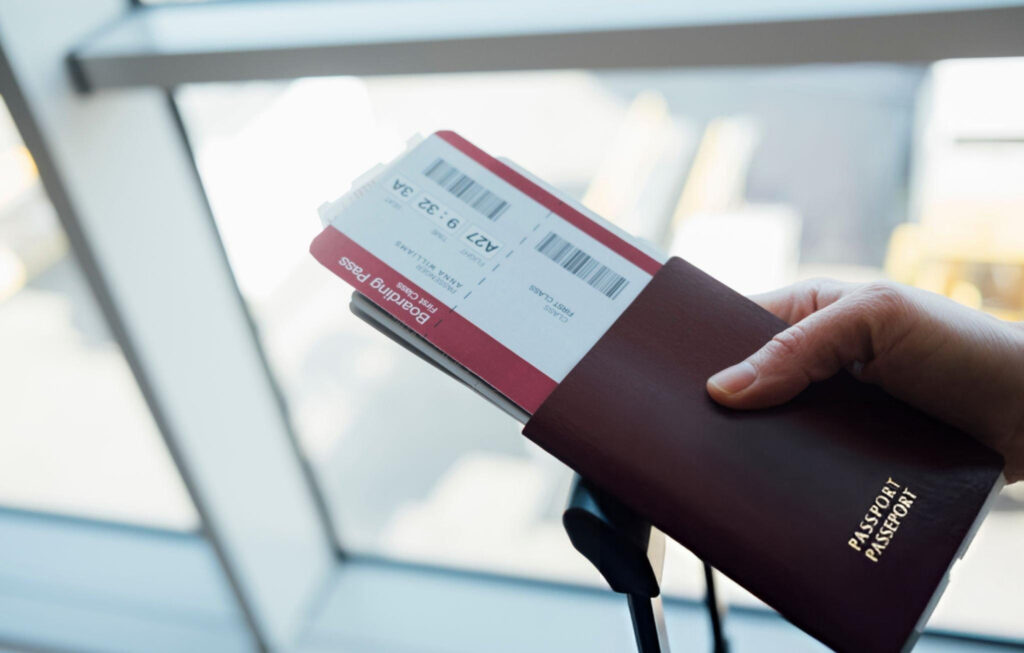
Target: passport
844,509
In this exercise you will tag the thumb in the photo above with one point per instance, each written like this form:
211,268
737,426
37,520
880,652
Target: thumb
813,349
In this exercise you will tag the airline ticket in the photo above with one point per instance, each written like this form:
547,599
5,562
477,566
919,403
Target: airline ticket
491,266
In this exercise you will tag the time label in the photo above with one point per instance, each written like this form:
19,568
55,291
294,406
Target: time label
438,213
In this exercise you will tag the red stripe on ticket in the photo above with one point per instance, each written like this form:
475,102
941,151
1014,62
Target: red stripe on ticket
453,334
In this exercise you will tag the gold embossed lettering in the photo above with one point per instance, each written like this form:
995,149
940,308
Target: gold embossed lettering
886,514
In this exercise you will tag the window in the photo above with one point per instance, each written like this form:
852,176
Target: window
299,431
100,543
761,177
78,437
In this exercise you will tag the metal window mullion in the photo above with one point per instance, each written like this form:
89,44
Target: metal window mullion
121,179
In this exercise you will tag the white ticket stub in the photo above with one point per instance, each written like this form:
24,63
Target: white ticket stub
489,266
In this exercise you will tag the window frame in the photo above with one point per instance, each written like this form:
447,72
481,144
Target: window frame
107,70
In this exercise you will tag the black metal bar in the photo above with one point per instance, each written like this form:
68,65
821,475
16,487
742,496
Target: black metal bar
648,623
716,611
629,553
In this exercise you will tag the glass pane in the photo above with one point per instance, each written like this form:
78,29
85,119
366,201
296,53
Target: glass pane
761,177
76,436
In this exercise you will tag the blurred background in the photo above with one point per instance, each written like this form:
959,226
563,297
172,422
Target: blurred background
759,175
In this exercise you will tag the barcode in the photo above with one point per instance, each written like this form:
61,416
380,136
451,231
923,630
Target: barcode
466,189
582,265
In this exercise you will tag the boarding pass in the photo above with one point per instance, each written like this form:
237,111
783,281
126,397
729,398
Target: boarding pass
499,271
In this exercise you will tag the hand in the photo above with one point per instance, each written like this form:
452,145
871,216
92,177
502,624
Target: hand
960,365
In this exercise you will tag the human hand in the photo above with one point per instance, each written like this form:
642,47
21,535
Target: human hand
957,364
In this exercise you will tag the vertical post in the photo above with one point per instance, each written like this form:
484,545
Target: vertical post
117,169
648,617
716,610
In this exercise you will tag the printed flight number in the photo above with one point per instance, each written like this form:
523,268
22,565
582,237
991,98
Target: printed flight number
482,243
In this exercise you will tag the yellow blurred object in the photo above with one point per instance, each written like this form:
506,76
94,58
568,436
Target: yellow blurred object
28,163
977,260
965,293
967,240
31,239
719,173
18,174
13,274
631,159
642,172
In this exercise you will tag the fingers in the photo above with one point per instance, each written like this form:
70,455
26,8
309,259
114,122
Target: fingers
816,347
793,303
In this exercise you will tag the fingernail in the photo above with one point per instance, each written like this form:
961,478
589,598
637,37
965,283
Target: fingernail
733,379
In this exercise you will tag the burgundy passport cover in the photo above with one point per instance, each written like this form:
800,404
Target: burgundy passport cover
842,509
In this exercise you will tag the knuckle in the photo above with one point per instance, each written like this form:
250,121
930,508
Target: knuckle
818,283
884,300
812,287
787,343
